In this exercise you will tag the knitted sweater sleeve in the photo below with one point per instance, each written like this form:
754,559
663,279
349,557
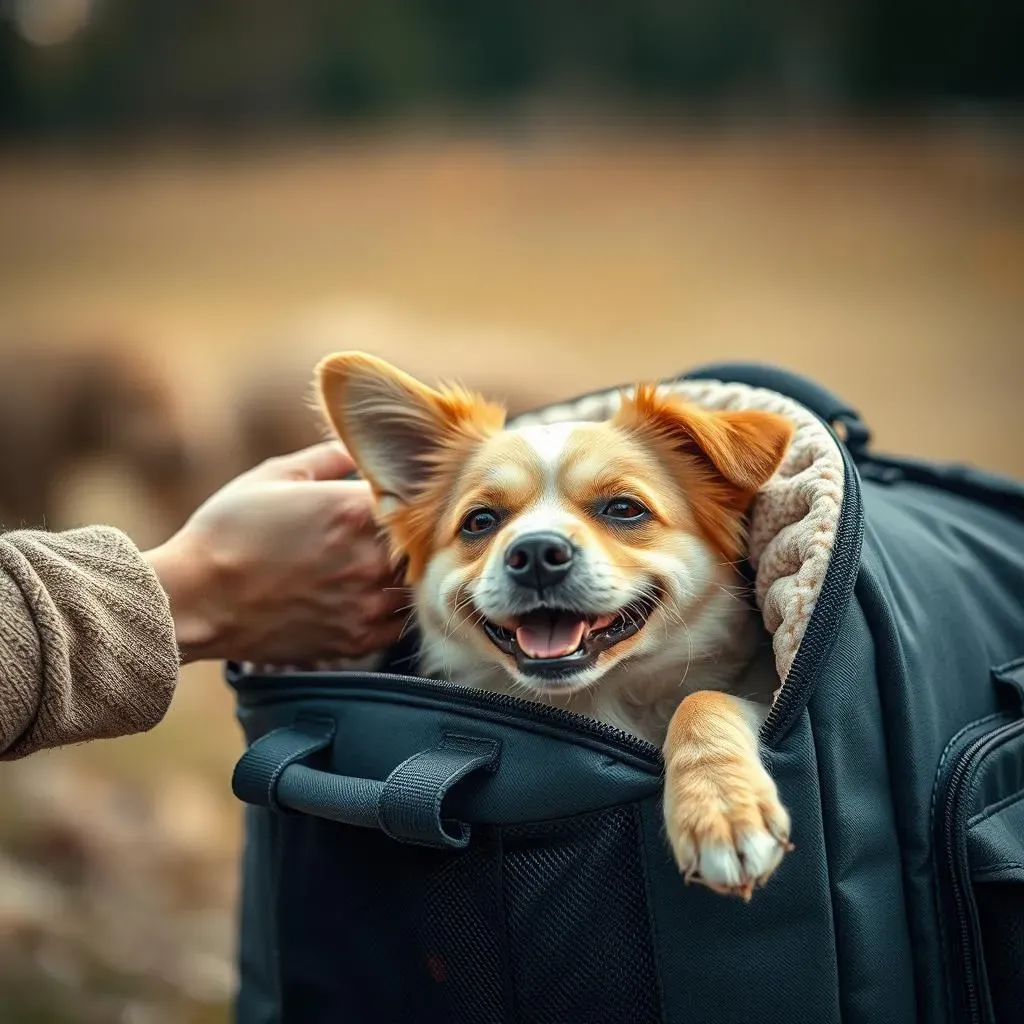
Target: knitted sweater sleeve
87,647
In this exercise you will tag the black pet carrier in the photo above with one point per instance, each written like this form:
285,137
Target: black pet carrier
423,853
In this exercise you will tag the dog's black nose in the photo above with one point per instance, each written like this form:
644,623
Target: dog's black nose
539,560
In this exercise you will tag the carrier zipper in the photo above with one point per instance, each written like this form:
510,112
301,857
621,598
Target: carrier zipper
502,703
833,597
955,816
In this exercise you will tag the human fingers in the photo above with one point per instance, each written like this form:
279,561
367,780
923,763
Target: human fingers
329,460
369,637
384,603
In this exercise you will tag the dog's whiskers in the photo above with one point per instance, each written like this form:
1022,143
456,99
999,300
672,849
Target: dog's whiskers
409,620
459,605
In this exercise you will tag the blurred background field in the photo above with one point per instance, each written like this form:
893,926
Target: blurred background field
199,200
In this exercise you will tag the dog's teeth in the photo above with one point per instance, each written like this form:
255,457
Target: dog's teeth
601,622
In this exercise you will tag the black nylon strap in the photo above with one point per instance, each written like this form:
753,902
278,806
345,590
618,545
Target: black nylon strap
409,806
254,780
352,801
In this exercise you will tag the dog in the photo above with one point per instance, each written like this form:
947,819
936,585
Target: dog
590,565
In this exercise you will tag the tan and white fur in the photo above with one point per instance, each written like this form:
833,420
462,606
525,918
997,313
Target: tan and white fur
590,566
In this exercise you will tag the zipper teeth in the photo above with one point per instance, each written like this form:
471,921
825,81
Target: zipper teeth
967,951
952,819
829,608
500,701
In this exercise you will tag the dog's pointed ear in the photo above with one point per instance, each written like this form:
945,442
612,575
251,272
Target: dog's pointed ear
743,447
399,431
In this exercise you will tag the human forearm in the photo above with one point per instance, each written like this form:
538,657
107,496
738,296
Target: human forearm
86,640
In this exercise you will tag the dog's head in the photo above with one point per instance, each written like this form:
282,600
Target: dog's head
554,552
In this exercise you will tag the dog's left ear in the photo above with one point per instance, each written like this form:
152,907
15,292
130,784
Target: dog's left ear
743,447
400,432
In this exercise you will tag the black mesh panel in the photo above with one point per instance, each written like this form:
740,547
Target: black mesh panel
535,925
375,932
578,929
462,935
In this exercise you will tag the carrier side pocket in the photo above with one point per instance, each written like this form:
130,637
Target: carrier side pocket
995,852
980,846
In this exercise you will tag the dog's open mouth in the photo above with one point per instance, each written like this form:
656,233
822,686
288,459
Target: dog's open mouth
556,642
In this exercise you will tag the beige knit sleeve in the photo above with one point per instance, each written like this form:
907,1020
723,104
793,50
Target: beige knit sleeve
87,646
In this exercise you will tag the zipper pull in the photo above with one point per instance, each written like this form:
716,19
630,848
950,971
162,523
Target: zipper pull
853,432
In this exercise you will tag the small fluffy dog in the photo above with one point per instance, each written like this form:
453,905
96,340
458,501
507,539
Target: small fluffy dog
589,565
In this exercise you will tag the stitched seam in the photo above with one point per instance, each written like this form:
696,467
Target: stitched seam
937,868
830,879
957,736
1007,801
1010,666
975,781
991,869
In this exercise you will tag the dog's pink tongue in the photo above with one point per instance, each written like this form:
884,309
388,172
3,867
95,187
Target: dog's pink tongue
552,636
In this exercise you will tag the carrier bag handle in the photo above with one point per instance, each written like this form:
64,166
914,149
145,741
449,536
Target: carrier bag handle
407,805
840,415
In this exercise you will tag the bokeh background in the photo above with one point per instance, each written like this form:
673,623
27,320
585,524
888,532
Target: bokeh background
199,199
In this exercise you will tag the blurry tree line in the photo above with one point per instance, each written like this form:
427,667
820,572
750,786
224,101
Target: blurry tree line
70,65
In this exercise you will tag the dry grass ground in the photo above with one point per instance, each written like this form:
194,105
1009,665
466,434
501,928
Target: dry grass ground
888,265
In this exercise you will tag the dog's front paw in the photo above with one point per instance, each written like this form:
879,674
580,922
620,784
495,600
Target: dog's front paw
725,822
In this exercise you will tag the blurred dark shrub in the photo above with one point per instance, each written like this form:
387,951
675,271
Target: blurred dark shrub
88,65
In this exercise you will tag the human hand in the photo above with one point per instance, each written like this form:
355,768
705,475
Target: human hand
283,565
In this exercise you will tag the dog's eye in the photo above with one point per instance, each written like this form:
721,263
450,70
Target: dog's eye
480,520
626,509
